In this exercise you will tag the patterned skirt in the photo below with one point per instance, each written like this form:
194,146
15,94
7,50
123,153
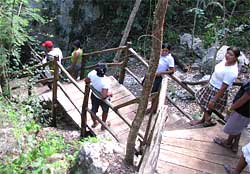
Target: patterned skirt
205,94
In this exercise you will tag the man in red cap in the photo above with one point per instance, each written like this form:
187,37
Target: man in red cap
51,52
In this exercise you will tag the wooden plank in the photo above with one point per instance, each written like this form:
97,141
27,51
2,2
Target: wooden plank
193,163
200,146
122,100
164,167
205,156
204,134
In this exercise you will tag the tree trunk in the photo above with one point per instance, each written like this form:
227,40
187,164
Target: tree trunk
157,35
128,28
4,82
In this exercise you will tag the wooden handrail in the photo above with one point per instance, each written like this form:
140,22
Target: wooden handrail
71,101
105,51
138,57
133,75
103,124
151,153
70,78
108,64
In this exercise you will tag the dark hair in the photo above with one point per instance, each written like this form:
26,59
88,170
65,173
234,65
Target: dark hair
166,45
77,43
235,50
101,69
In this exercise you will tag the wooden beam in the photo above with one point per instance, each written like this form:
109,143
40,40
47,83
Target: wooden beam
138,57
182,84
133,75
136,100
54,91
108,64
103,124
104,51
179,109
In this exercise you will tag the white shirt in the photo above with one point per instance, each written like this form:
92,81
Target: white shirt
97,82
54,52
224,74
165,63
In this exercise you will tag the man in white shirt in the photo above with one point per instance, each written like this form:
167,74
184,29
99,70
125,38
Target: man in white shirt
51,52
102,84
166,66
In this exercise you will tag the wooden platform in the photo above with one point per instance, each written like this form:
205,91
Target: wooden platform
120,95
193,151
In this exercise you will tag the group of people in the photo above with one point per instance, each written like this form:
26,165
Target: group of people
97,77
212,97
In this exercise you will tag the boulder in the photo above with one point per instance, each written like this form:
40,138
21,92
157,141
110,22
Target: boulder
96,158
186,39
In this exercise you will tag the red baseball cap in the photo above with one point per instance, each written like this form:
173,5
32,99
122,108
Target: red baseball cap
47,43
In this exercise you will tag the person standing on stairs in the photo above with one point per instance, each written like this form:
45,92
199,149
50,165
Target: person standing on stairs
51,52
166,66
238,118
102,84
214,95
76,60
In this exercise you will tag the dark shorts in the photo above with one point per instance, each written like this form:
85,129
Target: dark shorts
96,102
156,84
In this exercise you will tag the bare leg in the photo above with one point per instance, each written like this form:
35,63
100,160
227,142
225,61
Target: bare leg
236,143
241,165
95,123
104,119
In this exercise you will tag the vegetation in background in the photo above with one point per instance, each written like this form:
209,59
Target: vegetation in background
16,17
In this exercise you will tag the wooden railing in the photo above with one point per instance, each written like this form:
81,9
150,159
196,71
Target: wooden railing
153,137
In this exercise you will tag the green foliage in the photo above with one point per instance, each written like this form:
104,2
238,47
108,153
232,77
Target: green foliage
15,19
34,155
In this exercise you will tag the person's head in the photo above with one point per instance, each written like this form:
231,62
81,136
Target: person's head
76,44
232,55
48,44
101,69
165,49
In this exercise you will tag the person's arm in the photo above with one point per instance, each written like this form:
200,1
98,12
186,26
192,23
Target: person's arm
87,80
105,93
171,70
241,101
218,95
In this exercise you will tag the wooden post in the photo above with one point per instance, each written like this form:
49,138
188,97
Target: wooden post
83,65
29,87
54,91
124,65
84,110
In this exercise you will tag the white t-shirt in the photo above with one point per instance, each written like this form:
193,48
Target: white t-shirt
165,63
97,82
50,56
224,74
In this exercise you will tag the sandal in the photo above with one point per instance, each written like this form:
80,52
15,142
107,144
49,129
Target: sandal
228,169
209,123
221,142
